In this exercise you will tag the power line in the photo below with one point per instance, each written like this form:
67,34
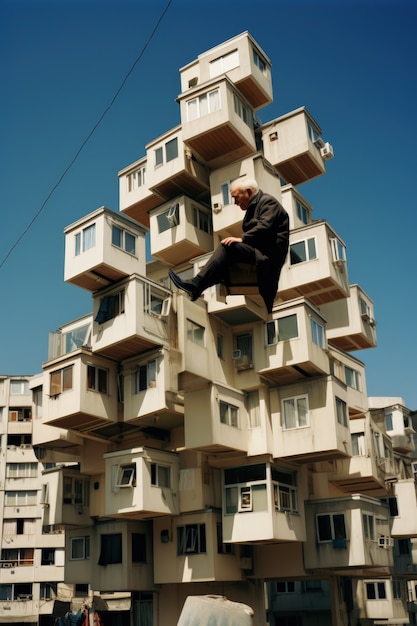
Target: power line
87,139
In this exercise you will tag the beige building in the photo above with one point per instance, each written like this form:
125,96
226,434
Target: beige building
206,447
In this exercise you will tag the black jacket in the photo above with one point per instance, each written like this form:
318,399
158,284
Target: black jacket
266,228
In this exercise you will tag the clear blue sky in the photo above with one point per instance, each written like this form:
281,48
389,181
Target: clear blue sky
351,63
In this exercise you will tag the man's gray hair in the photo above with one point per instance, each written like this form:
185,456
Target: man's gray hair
245,183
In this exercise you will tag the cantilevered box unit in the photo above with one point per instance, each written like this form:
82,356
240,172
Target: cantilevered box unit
103,247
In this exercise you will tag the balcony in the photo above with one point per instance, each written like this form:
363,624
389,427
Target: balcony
246,65
189,549
293,144
342,533
151,397
295,344
180,230
215,419
81,393
351,323
217,123
141,483
379,604
261,503
316,266
310,420
131,318
54,444
173,169
102,248
404,524
65,497
299,210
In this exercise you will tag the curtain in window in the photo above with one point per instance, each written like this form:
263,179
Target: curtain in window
106,309
9,527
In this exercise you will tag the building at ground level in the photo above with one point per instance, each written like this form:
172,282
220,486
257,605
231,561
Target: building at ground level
193,448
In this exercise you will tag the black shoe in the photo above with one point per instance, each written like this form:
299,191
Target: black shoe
185,285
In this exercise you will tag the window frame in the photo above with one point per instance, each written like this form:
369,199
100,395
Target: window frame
331,525
61,380
99,384
125,236
191,539
309,254
295,399
229,416
85,239
145,376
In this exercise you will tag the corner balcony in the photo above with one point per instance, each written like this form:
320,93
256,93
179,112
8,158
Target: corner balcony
293,349
172,168
141,483
310,420
55,444
135,197
180,230
102,248
316,266
150,391
215,419
130,318
65,497
292,143
217,123
80,392
190,549
342,533
351,323
299,210
262,503
246,65
404,524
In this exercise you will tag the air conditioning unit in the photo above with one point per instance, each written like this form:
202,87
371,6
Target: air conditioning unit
327,151
372,321
414,468
385,542
217,207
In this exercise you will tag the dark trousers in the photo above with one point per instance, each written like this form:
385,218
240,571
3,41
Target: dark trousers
216,270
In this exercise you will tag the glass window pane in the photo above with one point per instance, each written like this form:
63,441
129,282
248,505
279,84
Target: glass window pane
298,252
130,243
171,149
116,236
311,243
287,327
302,411
289,413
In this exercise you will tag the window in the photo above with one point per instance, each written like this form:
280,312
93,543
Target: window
330,527
191,539
76,338
393,505
21,470
220,345
79,548
19,387
203,105
229,414
110,307
169,218
282,329
352,378
376,590
313,132
60,381
111,549
388,421
243,343
302,212
397,586
295,412
171,149
245,489
404,546
76,490
358,444
47,556
242,110
85,239
253,407
368,526
341,412
195,333
159,157
285,490
145,376
202,220
123,239
317,333
302,251
160,475
225,193
138,548
20,498
224,63
338,250
126,476
97,379
20,414
259,62
223,548
81,589
312,585
48,591
285,586
136,179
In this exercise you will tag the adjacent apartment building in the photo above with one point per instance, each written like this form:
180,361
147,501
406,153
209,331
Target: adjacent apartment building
193,448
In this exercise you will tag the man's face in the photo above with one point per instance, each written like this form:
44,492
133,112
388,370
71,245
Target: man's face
241,197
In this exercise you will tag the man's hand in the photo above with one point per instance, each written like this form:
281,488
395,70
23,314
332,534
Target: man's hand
229,240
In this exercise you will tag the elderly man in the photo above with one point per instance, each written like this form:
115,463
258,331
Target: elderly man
264,243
